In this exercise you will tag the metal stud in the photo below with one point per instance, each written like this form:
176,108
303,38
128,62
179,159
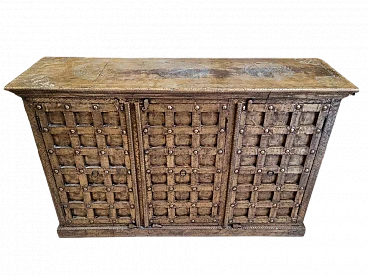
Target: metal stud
230,221
325,107
255,188
312,151
241,131
263,152
99,131
236,171
69,221
169,131
192,220
149,188
193,205
81,171
218,170
65,205
318,130
296,204
271,107
56,171
145,130
287,151
306,170
253,205
171,205
239,152
274,205
171,221
95,107
282,170
146,152
91,221
61,189
129,172
88,206
234,188
108,189
150,205
215,220
170,171
148,171
102,152
169,107
278,188
113,221
126,152
259,171
194,170
301,188
194,188
292,130
85,189
222,130
77,152
39,107
220,151
196,107
45,129
151,221
267,130
244,107
195,151
224,107
67,106
272,220
250,221
170,152
298,106
124,132
217,188
50,151
171,189
215,205
196,131
232,205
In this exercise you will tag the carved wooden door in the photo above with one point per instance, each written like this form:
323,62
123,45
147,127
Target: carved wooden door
90,151
184,147
275,145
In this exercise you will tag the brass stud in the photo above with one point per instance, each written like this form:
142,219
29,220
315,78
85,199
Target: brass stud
151,221
61,189
85,189
148,171
241,131
112,206
196,131
130,190
67,106
244,108
106,171
194,188
149,189
224,107
318,130
102,152
250,221
45,129
50,151
69,221
195,170
81,171
72,131
239,152
271,107
88,206
272,220
312,151
99,131
108,189
301,188
325,107
292,130
171,221
274,205
282,170
215,205
65,205
77,152
232,205
91,221
193,205
169,107
56,171
169,131
259,171
255,188
217,188
171,205
126,152
146,152
267,130
171,152
222,130
133,221
218,170
124,132
39,107
296,204
150,205
196,107
171,189
215,220
278,188
298,106
193,220
230,221
253,205
113,221
236,171
263,152
287,151
195,151
129,172
234,188
306,170
145,130
170,171
220,151
95,107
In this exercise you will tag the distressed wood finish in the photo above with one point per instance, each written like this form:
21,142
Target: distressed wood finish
154,147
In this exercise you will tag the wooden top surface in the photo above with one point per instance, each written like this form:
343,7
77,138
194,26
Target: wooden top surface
189,75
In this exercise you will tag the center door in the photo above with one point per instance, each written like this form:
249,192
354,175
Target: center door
184,147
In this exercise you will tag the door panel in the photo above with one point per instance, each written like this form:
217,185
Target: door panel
183,150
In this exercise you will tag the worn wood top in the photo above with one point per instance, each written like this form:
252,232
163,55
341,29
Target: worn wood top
118,75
